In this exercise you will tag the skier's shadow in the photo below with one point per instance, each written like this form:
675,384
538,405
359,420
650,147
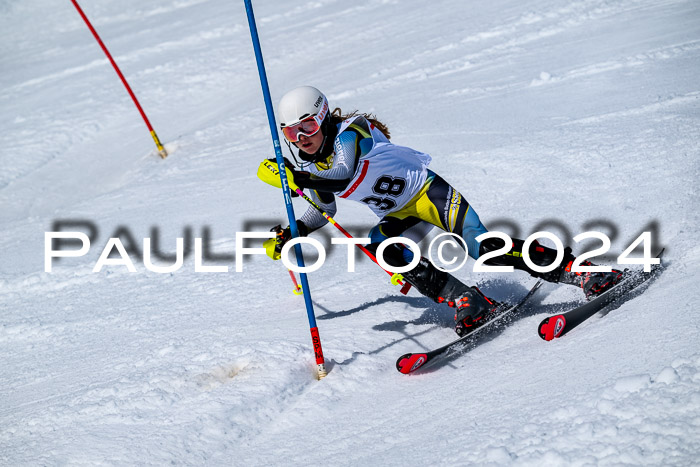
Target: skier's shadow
413,302
432,314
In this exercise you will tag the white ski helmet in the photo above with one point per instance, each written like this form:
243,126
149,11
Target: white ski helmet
301,103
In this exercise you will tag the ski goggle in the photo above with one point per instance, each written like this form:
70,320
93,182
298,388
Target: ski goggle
307,127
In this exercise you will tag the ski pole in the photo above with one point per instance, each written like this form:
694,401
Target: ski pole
161,150
268,174
315,338
396,279
297,287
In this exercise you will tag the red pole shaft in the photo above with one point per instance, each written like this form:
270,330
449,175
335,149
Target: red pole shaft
297,287
395,277
119,73
342,230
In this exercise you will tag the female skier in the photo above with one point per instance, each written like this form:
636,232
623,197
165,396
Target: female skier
350,156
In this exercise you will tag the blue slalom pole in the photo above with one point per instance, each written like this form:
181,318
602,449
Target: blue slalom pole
315,338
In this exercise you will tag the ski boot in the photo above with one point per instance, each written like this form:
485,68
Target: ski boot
592,283
471,306
595,283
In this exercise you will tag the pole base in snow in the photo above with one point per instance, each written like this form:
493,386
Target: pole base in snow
321,371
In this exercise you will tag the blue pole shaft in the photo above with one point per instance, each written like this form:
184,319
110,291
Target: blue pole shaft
285,187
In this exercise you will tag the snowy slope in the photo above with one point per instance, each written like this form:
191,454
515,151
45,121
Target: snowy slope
562,116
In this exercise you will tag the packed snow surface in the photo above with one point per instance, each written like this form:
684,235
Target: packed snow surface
546,115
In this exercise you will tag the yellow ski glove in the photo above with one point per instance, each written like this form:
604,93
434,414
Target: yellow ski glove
273,246
270,174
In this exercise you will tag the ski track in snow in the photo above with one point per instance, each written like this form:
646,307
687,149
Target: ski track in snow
579,115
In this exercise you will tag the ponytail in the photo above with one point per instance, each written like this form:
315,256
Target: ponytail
337,116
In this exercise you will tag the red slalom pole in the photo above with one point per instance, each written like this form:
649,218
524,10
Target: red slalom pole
161,150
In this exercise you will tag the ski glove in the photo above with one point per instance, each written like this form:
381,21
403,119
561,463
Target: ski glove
269,173
273,246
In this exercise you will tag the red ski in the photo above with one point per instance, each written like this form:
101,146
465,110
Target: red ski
410,362
557,325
